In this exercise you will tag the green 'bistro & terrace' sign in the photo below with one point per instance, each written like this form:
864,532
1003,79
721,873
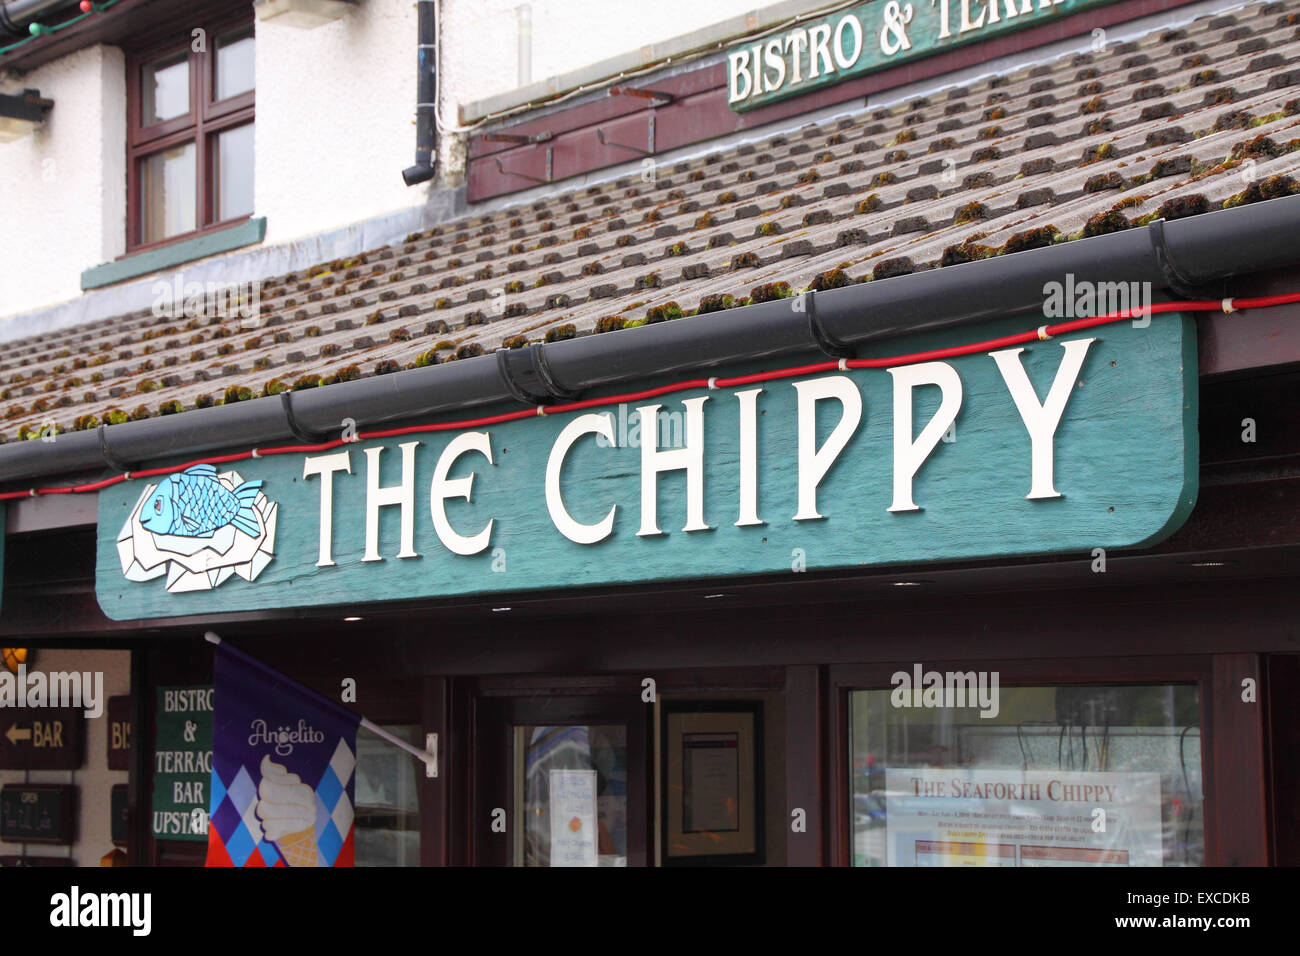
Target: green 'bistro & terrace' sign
873,36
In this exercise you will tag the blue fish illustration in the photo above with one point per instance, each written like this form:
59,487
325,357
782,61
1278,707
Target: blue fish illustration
195,504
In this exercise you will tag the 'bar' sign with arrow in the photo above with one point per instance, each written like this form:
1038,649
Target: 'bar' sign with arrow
42,738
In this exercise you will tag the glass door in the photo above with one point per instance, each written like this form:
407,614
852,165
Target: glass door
561,781
570,795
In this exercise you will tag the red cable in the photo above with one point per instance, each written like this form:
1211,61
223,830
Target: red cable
1047,331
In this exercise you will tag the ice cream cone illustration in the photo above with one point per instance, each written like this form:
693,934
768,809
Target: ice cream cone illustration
287,808
298,849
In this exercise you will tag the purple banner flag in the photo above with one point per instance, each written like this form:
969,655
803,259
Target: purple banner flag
283,762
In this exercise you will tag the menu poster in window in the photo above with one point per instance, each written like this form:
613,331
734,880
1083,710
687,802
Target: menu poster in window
711,795
711,774
964,817
573,817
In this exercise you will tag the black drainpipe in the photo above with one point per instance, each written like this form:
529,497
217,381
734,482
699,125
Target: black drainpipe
426,97
1191,256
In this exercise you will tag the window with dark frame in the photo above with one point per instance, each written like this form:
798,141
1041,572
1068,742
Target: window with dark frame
990,774
190,134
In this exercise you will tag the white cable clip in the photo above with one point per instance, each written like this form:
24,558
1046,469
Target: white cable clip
126,476
1043,334
713,382
255,453
1227,306
31,492
541,411
844,365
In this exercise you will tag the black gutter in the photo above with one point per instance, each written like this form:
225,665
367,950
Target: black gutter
1202,251
426,97
17,15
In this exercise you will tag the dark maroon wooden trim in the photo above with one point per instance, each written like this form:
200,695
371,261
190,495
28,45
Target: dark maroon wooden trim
701,112
461,745
602,110
1269,515
1245,607
804,766
1236,817
435,709
1281,692
490,784
175,137
516,686
141,770
1237,342
838,834
125,789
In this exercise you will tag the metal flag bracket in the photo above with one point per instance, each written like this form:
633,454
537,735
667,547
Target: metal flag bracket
429,754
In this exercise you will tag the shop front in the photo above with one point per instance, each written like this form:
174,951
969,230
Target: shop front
896,610
963,538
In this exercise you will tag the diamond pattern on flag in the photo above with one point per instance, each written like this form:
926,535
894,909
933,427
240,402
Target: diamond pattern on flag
233,822
333,808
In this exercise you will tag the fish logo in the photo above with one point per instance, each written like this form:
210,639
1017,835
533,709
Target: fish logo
195,504
199,528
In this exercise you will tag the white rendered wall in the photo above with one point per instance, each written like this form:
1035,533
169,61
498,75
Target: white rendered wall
335,107
335,123
335,111
63,187
480,39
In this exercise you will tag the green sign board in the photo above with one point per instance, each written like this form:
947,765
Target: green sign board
39,813
1061,446
182,763
873,36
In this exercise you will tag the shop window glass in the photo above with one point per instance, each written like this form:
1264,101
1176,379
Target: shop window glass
571,789
387,827
1060,776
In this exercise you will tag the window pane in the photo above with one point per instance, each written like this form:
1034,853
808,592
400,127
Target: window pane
166,90
1027,785
571,785
235,64
168,203
234,185
387,823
